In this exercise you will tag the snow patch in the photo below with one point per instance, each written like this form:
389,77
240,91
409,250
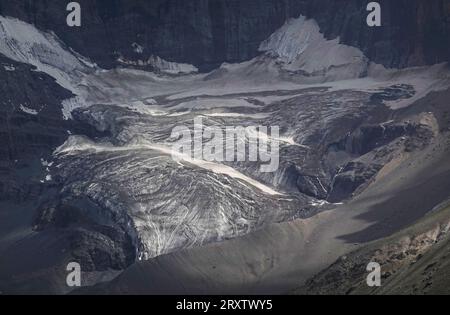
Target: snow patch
163,66
300,46
70,104
239,115
137,48
9,68
318,203
28,110
22,42
46,163
171,67
142,108
209,103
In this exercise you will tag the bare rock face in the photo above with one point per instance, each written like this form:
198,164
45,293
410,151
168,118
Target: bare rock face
206,33
412,33
31,127
200,32
96,241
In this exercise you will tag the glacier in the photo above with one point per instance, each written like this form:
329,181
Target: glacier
302,82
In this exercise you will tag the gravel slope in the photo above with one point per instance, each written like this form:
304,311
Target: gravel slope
283,256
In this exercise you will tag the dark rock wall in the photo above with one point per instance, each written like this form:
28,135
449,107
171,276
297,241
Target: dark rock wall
25,137
202,32
209,32
413,32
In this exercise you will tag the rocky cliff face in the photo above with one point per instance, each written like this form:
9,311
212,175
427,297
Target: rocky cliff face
208,32
412,33
201,32
31,126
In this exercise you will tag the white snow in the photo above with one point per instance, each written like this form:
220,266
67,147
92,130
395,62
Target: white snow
137,48
28,110
46,163
291,141
291,40
261,136
297,48
318,203
171,67
122,85
164,66
238,115
70,104
141,107
209,103
300,46
22,42
9,68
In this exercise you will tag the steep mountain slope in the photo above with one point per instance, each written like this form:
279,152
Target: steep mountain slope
412,33
207,33
31,126
200,32
107,192
280,257
413,261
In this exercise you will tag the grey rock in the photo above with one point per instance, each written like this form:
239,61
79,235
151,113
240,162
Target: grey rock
207,33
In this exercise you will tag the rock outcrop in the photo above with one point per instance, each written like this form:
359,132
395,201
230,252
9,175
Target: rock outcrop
206,33
31,127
